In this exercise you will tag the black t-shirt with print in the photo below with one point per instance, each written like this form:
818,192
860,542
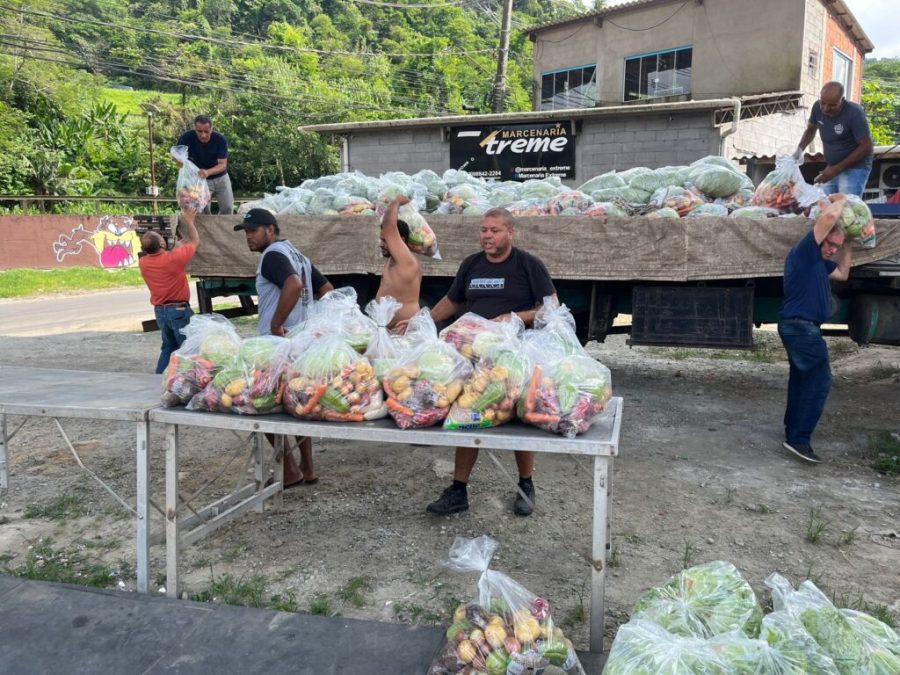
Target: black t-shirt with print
490,289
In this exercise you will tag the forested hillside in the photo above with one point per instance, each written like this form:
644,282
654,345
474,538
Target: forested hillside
73,74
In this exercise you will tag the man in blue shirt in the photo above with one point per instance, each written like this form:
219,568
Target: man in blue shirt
208,149
816,259
846,140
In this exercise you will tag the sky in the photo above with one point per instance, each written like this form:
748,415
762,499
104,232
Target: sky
878,19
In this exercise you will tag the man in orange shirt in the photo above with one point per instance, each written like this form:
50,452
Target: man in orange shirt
165,276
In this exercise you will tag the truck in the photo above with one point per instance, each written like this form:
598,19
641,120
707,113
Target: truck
692,282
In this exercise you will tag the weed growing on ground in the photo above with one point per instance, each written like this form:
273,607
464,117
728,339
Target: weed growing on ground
239,591
405,611
286,602
354,591
320,605
846,538
687,558
883,451
64,507
68,566
816,525
613,559
857,602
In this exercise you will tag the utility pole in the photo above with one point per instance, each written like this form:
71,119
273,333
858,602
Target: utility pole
502,57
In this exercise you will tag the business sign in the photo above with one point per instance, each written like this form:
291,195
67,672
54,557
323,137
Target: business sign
514,151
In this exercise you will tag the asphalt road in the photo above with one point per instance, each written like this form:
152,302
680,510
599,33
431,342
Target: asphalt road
120,310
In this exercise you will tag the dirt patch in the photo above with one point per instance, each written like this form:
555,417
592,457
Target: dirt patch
701,476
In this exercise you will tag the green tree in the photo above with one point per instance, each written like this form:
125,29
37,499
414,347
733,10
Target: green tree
883,110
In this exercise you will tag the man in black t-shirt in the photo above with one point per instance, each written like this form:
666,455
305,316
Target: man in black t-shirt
497,281
208,149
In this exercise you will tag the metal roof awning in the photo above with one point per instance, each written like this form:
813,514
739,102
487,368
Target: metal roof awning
726,105
881,152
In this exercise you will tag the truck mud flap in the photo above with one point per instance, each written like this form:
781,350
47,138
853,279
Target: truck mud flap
875,319
697,316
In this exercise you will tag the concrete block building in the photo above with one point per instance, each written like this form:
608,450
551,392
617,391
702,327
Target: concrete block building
645,82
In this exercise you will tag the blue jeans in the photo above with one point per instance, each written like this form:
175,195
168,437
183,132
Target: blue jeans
810,379
848,182
170,321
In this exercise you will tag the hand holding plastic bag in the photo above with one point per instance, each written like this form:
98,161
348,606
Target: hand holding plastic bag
785,189
509,629
192,190
210,344
856,219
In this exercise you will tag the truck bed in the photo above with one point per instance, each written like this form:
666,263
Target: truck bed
573,248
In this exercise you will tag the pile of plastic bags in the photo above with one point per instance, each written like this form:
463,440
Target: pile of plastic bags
706,619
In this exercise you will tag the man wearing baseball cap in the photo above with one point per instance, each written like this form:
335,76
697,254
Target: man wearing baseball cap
286,282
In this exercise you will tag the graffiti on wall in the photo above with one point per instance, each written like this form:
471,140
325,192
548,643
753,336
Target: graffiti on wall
114,241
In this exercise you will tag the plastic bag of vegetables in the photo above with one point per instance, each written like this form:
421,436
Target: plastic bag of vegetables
604,181
472,335
383,349
754,212
849,644
738,200
628,195
528,207
336,311
489,396
652,181
544,188
717,181
556,326
784,188
703,601
210,343
641,647
191,190
708,210
606,209
331,382
783,632
683,200
357,206
664,212
856,219
750,656
252,384
426,380
508,630
421,237
569,202
459,197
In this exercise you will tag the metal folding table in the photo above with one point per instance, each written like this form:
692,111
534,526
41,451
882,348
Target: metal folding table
115,397
601,442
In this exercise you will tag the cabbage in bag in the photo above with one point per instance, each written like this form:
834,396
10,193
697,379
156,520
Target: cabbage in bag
210,344
856,219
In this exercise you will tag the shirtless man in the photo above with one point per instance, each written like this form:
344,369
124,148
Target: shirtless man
402,275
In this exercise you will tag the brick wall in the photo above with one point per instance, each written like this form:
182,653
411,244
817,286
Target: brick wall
602,145
46,242
837,37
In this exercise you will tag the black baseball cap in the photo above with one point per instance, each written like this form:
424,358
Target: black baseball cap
256,218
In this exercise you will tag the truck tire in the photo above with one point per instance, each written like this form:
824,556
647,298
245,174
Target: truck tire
875,319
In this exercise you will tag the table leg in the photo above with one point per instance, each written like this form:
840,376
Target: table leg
259,469
4,442
142,506
602,466
172,534
278,499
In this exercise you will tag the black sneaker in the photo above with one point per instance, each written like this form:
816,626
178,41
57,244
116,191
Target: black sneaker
522,506
452,500
804,452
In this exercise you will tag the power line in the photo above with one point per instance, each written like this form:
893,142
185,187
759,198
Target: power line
641,30
452,3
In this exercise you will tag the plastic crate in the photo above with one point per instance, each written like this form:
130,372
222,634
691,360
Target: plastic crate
693,316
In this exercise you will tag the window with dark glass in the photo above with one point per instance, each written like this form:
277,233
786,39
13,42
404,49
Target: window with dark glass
665,73
569,88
